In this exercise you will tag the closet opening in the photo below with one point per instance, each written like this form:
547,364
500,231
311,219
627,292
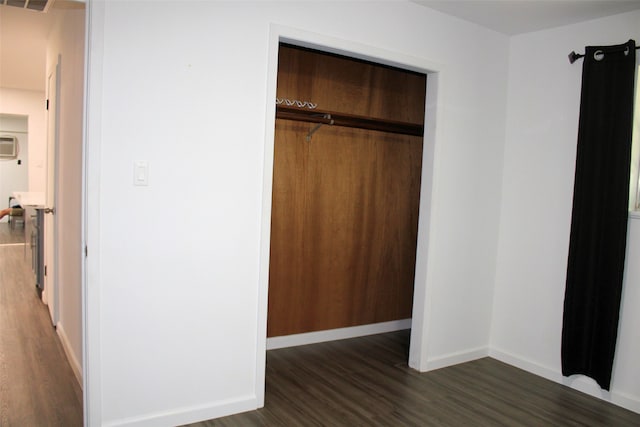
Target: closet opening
347,170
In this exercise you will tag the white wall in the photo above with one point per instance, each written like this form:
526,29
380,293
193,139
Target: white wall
67,40
539,166
30,103
173,271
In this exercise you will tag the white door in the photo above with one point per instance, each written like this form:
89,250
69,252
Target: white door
50,294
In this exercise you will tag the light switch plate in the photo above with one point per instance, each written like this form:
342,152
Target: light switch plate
141,173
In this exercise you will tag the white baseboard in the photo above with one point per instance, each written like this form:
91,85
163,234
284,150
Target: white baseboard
76,366
577,382
456,358
337,334
182,416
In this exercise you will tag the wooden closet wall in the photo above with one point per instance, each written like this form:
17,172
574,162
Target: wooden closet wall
345,204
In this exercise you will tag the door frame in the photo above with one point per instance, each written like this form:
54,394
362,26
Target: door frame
92,113
418,356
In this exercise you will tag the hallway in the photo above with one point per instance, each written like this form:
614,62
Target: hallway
37,385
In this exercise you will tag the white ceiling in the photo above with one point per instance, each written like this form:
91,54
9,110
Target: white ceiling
513,17
23,33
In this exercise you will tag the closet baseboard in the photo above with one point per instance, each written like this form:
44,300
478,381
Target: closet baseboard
337,334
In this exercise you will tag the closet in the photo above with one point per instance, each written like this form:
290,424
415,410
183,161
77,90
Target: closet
346,192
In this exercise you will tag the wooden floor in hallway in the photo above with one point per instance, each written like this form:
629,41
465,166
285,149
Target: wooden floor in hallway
366,382
37,384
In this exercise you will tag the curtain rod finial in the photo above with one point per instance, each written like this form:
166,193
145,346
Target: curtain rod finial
573,56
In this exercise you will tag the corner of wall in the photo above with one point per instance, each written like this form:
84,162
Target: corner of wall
456,358
576,382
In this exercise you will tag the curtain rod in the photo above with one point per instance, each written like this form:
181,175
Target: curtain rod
573,56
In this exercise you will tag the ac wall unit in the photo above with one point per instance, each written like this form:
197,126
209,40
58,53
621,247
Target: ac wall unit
8,147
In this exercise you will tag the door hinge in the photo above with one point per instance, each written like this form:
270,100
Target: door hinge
45,270
47,105
86,251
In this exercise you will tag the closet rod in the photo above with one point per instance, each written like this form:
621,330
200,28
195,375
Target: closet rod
348,120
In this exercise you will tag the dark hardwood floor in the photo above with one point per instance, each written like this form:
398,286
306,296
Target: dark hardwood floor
37,385
366,382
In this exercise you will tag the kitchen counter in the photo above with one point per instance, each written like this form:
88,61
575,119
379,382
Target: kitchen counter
30,198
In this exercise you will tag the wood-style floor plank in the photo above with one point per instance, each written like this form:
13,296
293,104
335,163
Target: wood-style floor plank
11,235
37,384
366,382
359,382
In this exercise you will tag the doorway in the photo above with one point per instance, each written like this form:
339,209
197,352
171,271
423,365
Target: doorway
57,33
13,163
346,193
434,122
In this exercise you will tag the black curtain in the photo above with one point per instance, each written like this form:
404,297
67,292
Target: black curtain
599,218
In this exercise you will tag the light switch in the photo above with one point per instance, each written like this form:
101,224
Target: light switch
141,172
